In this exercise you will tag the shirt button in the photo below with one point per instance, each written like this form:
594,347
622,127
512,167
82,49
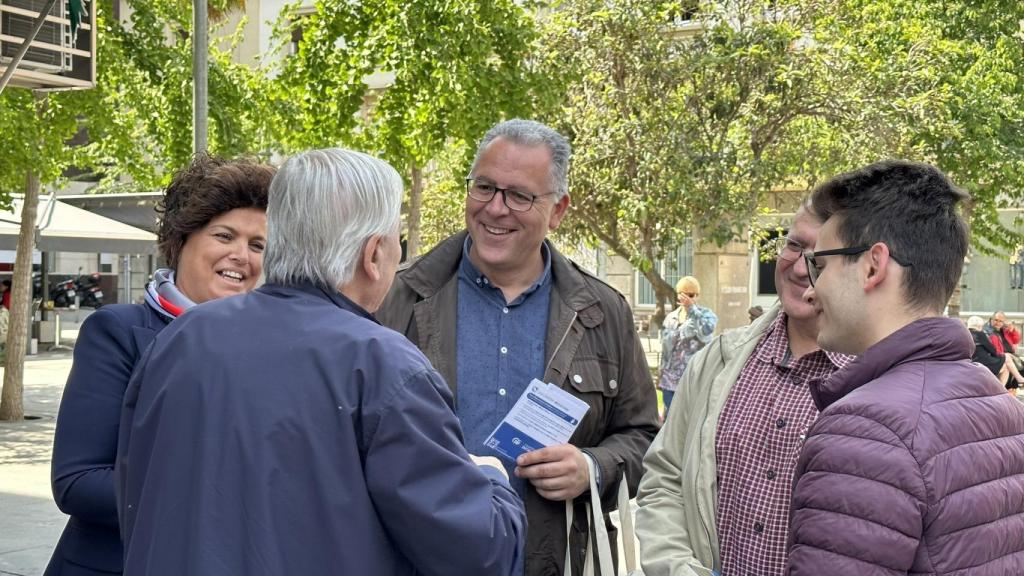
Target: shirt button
758,527
501,392
504,350
577,379
770,474
505,310
780,423
613,384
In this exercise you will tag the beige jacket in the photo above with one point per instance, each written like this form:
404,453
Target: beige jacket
679,490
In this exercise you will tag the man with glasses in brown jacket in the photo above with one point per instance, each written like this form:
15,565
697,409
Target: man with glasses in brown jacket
496,306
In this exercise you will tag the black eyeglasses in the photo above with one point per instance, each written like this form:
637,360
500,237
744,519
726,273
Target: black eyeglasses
690,295
516,200
814,268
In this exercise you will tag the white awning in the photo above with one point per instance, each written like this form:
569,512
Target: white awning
65,228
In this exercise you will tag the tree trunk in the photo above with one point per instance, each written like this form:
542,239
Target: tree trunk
663,292
12,403
415,210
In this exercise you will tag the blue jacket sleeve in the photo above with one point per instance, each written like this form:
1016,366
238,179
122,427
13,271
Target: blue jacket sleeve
446,514
704,322
85,442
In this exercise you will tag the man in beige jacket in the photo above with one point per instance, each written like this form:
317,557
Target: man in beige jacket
715,494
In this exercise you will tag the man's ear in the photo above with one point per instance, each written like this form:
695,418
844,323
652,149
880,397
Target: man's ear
558,212
876,266
371,258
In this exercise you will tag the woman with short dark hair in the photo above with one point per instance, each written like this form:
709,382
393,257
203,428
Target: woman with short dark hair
212,233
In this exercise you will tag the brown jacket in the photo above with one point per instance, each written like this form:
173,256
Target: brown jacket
590,335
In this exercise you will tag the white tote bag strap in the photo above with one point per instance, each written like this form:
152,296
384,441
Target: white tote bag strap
595,517
626,530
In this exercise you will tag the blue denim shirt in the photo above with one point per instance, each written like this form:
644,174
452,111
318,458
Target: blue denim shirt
500,350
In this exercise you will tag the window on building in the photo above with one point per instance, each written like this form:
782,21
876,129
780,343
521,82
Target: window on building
107,263
298,28
677,265
766,269
685,12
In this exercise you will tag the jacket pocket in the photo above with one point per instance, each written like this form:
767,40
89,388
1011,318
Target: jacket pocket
595,381
594,375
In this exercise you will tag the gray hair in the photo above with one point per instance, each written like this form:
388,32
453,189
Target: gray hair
975,323
324,205
531,133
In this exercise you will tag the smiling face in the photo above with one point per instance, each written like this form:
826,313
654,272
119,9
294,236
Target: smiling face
505,241
223,258
844,316
791,275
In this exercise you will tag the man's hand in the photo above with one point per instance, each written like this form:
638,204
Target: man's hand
557,472
489,461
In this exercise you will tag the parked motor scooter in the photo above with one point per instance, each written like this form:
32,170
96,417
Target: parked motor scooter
88,288
63,293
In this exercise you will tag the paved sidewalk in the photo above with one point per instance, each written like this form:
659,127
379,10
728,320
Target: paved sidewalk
30,522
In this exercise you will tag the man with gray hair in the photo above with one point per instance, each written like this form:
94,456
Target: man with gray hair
496,306
286,432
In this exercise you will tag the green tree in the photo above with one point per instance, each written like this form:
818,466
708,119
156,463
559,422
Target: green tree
683,130
942,83
139,115
137,122
459,66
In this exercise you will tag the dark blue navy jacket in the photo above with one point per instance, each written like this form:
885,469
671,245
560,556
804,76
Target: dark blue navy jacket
286,432
109,345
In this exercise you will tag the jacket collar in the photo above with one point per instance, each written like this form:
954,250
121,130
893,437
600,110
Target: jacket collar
429,273
936,339
734,341
314,290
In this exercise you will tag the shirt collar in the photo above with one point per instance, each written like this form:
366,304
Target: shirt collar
774,348
471,273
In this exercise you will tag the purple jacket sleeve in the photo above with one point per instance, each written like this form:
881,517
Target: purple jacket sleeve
446,514
858,501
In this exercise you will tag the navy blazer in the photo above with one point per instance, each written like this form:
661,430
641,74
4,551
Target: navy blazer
85,444
284,431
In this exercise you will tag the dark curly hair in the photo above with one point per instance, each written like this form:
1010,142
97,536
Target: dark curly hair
207,188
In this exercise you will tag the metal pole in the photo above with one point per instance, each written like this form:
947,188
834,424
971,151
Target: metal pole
126,294
13,65
200,43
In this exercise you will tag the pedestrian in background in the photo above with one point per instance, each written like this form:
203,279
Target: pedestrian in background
915,464
285,431
986,354
684,332
1004,337
5,288
211,233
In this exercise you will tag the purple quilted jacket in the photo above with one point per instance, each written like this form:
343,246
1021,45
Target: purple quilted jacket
915,466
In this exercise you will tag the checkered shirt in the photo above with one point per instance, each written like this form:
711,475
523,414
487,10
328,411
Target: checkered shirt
760,432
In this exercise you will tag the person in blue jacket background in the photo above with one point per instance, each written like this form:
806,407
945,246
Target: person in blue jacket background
212,233
285,431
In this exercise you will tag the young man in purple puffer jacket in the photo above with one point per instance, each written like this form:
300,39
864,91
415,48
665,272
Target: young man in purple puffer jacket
916,464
